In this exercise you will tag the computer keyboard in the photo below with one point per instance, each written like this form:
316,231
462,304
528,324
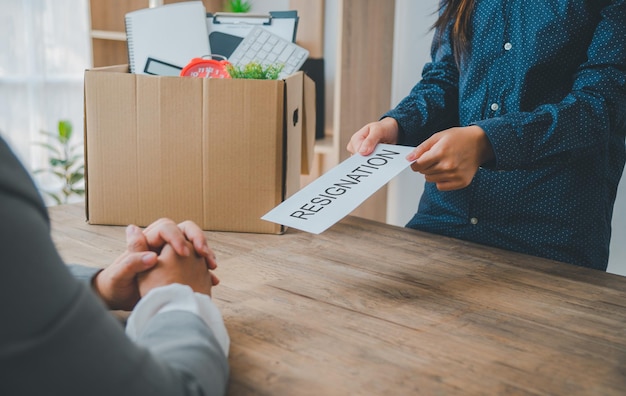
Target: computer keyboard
266,48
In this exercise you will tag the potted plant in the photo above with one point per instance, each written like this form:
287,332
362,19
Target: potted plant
65,162
255,71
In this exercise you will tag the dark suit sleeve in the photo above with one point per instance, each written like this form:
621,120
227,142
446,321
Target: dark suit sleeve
83,273
57,338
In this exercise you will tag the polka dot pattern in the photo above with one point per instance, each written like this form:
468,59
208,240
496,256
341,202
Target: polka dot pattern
546,80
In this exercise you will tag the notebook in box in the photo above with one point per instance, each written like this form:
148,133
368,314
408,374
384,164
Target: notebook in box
171,34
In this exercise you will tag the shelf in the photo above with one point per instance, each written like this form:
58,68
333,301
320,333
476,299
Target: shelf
325,146
108,35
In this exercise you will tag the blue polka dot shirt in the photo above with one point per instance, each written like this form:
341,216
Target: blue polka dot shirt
546,81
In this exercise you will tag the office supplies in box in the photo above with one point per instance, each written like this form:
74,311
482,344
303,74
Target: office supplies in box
266,48
227,30
220,152
162,40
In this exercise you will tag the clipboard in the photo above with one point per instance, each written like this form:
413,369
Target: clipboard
226,30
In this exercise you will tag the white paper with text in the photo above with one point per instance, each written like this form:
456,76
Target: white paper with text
339,191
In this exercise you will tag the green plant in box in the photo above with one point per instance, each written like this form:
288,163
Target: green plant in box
255,71
238,6
65,162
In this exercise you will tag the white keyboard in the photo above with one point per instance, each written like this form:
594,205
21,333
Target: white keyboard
266,48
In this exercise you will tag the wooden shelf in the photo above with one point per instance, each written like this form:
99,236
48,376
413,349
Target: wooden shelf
363,67
326,145
107,35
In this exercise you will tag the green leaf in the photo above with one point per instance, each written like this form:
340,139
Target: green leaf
58,174
65,131
50,147
256,71
76,169
238,6
56,198
58,162
66,162
76,158
76,177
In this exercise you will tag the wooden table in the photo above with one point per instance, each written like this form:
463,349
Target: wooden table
371,309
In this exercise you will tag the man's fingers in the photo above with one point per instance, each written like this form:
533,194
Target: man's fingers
196,236
165,231
135,239
133,263
116,283
214,279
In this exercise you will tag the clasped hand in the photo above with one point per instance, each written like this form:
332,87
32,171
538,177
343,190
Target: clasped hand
161,254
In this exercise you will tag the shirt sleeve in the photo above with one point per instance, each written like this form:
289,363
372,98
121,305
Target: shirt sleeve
432,105
83,273
176,297
585,121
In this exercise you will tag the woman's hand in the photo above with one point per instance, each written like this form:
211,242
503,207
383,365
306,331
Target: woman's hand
364,140
452,157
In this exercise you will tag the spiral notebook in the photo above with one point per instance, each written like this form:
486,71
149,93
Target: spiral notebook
171,35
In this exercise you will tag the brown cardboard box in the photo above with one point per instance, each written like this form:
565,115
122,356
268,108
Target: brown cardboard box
219,152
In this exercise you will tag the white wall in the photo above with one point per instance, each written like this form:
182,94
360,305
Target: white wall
43,54
617,259
412,38
411,51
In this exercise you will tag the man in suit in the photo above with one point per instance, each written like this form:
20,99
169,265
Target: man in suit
57,337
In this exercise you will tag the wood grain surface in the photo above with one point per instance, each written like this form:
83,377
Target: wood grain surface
372,309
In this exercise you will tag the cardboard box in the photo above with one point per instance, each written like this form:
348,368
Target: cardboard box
220,152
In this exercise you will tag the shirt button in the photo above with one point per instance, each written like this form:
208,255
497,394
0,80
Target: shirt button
508,46
494,106
474,220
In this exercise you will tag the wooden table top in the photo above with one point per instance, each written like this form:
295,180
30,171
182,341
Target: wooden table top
372,309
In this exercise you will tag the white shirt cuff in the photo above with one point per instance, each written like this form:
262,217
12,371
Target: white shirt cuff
177,297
